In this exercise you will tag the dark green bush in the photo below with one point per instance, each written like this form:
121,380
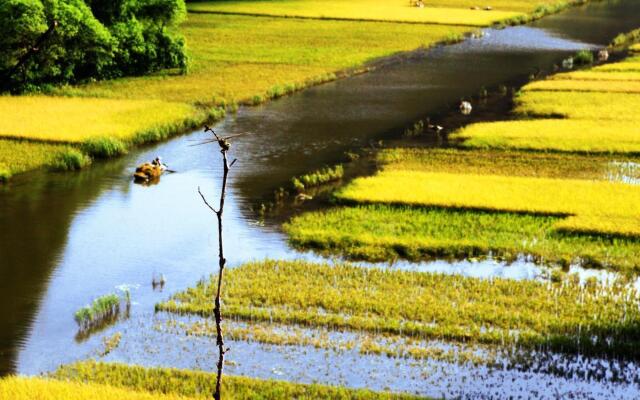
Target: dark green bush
80,40
583,57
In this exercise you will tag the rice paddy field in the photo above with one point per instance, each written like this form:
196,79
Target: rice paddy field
583,111
102,381
561,316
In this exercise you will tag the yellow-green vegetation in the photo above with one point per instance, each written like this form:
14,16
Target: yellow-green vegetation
591,206
561,315
18,156
73,120
635,47
199,385
364,342
451,12
380,232
319,177
584,111
16,388
570,195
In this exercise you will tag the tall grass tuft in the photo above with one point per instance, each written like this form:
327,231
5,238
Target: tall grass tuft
104,147
101,311
319,177
70,159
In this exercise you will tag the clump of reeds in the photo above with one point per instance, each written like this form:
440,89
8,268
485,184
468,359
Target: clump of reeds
103,310
319,177
70,159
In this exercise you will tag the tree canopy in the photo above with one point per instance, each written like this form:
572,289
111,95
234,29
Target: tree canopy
44,42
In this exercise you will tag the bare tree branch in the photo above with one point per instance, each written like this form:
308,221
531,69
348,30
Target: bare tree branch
206,202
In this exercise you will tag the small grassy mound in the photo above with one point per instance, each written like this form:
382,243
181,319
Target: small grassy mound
562,316
194,384
69,159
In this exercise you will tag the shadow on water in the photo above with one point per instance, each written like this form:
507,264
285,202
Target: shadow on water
66,239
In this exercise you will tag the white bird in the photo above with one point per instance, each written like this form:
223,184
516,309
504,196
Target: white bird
466,108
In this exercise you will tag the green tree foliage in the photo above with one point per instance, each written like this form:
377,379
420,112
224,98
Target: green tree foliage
45,42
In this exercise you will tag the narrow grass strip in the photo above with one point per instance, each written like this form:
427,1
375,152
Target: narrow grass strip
196,384
562,316
18,388
380,233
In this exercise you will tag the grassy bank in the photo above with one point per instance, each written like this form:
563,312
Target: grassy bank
194,384
583,111
562,316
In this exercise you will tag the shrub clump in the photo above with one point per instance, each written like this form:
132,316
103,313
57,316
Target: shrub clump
583,57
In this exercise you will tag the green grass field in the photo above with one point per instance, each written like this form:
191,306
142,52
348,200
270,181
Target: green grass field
446,12
584,111
382,232
559,316
165,383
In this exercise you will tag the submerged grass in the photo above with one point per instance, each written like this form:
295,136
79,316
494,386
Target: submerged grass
196,384
319,177
380,232
562,316
103,310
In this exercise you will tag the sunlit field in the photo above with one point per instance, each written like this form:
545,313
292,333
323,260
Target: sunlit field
18,156
48,389
180,384
72,120
565,135
588,203
555,207
584,111
446,12
381,232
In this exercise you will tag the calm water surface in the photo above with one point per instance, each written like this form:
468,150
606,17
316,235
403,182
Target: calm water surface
68,238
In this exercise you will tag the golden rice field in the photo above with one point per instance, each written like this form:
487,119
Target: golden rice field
18,156
446,12
566,135
586,111
187,384
592,206
15,388
73,120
